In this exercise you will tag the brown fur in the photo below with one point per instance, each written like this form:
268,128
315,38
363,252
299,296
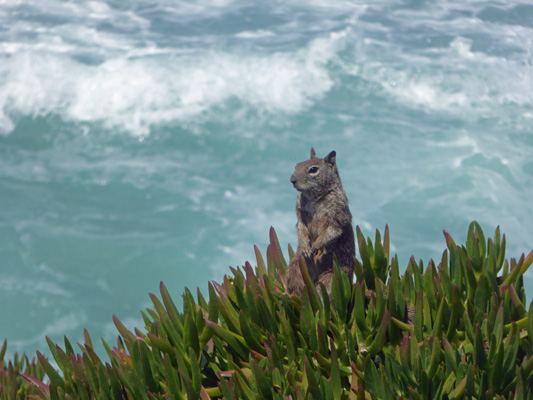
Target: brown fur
324,223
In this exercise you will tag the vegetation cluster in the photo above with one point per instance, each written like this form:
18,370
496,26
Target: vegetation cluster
459,329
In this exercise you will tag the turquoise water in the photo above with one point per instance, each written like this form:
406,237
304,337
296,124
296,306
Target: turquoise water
154,140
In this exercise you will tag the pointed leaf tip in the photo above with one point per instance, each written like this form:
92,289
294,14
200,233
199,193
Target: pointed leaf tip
449,239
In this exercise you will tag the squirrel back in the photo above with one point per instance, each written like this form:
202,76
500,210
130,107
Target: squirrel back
324,223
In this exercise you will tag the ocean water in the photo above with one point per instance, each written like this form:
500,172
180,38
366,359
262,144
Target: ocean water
153,140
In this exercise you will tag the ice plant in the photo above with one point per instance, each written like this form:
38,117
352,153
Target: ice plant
453,330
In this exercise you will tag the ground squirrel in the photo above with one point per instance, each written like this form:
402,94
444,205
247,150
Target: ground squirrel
324,223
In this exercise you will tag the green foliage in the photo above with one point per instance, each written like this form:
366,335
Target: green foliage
12,373
459,329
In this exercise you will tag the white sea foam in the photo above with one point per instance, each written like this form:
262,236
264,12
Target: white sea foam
132,83
464,77
87,13
260,33
183,10
465,82
139,84
133,94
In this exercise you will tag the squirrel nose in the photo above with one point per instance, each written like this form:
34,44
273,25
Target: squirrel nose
293,179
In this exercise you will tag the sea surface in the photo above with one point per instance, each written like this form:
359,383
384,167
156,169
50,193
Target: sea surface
153,140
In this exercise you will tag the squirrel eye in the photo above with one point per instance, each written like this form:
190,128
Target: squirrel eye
312,170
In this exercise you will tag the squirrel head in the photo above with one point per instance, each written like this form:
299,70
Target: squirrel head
316,176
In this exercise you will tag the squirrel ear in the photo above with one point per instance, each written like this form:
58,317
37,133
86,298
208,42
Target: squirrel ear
313,154
330,158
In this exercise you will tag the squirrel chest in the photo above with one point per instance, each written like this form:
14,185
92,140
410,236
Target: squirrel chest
314,218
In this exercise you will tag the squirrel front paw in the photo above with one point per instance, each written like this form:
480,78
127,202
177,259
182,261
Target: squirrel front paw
308,255
317,251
